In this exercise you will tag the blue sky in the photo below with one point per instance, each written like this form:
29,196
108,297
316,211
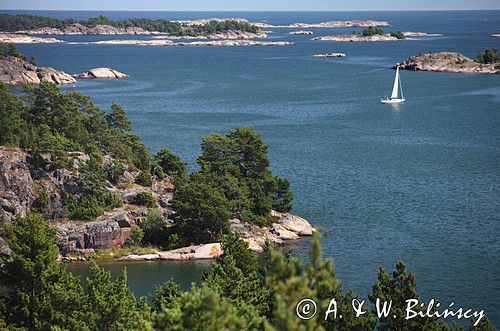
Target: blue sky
249,5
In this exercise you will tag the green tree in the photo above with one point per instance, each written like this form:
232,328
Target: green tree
40,292
399,288
236,276
201,211
118,119
170,163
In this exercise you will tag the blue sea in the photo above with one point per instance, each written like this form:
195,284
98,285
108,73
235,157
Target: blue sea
419,182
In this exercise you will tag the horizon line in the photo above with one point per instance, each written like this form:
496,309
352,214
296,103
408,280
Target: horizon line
250,11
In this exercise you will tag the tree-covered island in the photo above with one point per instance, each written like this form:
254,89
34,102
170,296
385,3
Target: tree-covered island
26,22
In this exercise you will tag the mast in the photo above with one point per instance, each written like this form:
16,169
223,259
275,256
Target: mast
394,94
400,85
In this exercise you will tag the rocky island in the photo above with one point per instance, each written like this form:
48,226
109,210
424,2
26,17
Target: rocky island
329,24
357,38
101,25
100,73
15,38
450,62
495,35
421,34
300,32
168,42
329,55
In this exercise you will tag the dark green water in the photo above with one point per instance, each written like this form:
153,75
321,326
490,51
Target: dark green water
418,182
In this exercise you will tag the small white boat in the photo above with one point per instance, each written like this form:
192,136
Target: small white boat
397,87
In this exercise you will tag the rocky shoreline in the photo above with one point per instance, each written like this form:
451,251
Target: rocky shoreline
448,62
286,228
16,71
421,34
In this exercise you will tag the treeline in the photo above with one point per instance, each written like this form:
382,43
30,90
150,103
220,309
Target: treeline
234,180
372,31
237,293
489,56
22,22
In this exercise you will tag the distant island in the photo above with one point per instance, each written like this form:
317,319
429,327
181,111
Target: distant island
373,34
34,24
487,63
329,24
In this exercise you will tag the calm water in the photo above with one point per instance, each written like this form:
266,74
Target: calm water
419,182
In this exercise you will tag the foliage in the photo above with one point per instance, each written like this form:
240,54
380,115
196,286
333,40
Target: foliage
399,288
144,179
371,31
9,49
170,163
46,120
398,34
144,199
12,23
201,211
155,229
490,55
43,295
136,236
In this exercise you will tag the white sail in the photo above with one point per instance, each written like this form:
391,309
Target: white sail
394,94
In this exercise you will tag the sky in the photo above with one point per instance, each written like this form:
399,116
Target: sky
249,5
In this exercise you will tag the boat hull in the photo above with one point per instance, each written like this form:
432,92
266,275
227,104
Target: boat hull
392,100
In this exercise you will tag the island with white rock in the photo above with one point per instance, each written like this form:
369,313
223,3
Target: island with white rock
326,55
100,73
448,62
300,32
329,24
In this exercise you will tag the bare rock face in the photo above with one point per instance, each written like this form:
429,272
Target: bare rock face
448,62
16,184
101,73
15,71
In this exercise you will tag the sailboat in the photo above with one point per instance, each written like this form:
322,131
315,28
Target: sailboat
397,87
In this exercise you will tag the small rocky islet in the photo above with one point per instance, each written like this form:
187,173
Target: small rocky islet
452,62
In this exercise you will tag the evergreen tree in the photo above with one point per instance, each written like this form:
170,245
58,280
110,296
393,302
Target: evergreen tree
117,119
201,211
399,288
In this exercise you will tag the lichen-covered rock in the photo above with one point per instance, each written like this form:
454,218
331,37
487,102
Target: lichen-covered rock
15,71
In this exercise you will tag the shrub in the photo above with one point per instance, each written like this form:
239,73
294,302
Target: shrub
144,179
490,55
372,31
398,34
144,199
